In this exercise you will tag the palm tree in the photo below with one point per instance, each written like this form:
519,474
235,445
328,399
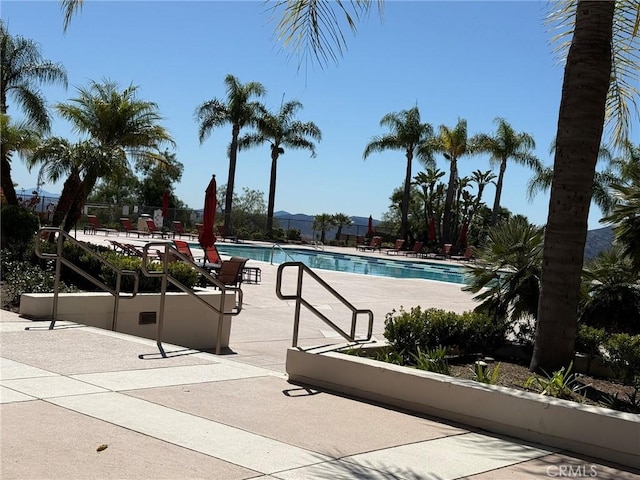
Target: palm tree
340,220
625,216
323,222
427,181
239,112
22,69
408,134
281,130
481,179
508,277
453,144
119,125
69,8
19,138
505,145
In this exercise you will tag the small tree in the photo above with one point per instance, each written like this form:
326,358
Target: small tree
340,220
322,223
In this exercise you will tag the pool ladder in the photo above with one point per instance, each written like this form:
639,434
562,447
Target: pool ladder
286,255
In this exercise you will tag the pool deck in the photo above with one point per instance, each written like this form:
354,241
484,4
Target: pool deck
79,402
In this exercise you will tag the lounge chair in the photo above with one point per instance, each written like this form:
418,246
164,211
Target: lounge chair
155,231
178,229
128,228
93,226
397,248
211,255
416,250
129,249
467,256
184,248
222,234
230,273
359,241
443,254
375,244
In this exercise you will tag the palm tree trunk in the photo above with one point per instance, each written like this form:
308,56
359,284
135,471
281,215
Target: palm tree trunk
448,203
8,189
404,227
233,156
69,191
272,190
496,202
580,125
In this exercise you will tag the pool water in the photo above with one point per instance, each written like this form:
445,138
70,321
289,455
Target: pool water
341,262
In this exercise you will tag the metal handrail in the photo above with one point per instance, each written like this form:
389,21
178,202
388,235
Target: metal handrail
171,252
302,268
63,236
286,255
317,245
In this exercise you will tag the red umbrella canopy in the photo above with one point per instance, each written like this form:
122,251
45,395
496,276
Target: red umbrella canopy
463,234
370,226
207,238
165,203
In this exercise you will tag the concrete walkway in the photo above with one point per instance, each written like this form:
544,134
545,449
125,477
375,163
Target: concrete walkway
83,403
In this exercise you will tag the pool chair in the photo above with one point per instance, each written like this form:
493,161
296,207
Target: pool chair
184,248
397,248
128,228
375,244
416,250
155,231
443,254
230,272
93,226
178,229
467,256
359,241
223,235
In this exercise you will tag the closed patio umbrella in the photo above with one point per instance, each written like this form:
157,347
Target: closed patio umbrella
206,237
370,227
432,229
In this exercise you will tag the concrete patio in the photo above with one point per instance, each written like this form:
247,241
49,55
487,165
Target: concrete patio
80,402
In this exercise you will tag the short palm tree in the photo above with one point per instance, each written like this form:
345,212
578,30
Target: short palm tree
118,125
240,112
407,134
22,69
280,130
341,220
452,144
503,146
20,138
322,223
507,279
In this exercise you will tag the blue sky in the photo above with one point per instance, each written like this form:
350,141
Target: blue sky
471,60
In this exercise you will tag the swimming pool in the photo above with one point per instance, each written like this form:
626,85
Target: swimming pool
341,262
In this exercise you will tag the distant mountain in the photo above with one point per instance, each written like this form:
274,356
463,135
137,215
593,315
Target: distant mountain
598,241
28,192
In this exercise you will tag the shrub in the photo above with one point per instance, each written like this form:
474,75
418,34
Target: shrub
23,277
589,340
423,330
622,354
294,234
19,226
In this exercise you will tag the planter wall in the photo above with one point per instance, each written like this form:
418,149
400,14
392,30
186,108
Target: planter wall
594,431
187,322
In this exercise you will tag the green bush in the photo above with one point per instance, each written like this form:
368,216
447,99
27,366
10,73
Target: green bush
23,277
19,226
590,339
424,330
294,234
622,354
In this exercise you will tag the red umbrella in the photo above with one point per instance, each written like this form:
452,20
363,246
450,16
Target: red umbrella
432,229
165,203
370,227
207,238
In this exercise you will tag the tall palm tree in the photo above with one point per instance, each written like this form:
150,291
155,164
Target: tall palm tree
505,145
407,134
453,144
119,126
481,179
281,130
427,181
22,69
240,112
